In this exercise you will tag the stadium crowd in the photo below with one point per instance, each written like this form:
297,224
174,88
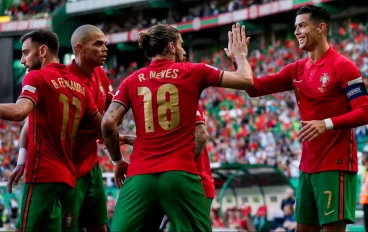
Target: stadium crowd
189,12
31,9
242,130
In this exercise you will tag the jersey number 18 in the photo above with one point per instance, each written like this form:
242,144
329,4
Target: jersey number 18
166,107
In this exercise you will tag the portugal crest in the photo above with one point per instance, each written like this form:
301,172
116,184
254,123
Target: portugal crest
324,79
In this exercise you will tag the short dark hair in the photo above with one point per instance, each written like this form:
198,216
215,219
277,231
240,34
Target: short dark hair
155,40
317,14
43,37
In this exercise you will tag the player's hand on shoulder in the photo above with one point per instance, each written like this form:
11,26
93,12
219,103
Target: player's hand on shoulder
311,130
15,176
120,172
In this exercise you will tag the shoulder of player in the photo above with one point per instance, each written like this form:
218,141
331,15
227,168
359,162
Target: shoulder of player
36,74
341,61
100,73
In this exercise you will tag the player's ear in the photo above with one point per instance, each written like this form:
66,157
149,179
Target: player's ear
43,50
172,47
79,48
321,27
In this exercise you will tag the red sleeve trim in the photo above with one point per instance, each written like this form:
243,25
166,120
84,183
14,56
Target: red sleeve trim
121,102
30,98
221,76
200,122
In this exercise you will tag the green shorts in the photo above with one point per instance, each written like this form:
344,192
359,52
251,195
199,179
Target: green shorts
90,197
144,199
326,197
209,203
47,207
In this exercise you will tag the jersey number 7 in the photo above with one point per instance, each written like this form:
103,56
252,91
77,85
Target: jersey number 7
167,100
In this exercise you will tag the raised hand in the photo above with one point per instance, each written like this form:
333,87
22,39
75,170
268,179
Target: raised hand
238,42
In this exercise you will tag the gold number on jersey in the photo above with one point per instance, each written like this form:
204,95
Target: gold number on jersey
147,105
76,102
164,106
168,104
329,193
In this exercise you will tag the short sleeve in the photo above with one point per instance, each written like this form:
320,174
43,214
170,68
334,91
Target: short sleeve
199,115
351,79
211,76
31,87
122,94
91,108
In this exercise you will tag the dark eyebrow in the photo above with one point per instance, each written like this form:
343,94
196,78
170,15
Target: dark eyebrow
300,23
101,41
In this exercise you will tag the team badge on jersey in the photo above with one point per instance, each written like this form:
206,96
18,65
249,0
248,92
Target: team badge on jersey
324,79
69,219
102,90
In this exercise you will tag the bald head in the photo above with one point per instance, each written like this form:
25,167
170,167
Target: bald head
83,34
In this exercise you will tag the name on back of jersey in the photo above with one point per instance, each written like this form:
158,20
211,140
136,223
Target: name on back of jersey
167,73
72,85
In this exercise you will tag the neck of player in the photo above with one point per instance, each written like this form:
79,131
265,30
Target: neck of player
49,60
166,56
84,67
319,50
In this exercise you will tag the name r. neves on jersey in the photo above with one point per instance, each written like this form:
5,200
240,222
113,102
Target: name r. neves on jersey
168,73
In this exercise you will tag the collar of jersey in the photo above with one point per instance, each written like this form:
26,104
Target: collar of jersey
321,60
161,61
56,65
76,72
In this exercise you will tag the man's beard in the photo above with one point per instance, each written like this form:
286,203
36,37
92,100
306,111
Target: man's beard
36,65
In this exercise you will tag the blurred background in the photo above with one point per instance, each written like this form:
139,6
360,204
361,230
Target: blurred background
253,147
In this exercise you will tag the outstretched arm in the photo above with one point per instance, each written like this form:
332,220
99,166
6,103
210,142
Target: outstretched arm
16,111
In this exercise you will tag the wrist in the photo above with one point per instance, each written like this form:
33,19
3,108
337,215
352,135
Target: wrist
118,162
22,157
328,123
240,56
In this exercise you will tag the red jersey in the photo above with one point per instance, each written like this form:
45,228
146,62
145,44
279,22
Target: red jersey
164,98
60,100
203,163
330,88
85,150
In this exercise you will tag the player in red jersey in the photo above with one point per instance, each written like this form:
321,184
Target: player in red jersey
162,174
55,102
332,100
89,46
202,162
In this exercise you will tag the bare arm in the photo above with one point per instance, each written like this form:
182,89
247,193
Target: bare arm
16,111
23,140
201,137
109,127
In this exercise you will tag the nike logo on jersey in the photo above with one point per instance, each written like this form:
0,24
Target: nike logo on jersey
326,214
297,80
